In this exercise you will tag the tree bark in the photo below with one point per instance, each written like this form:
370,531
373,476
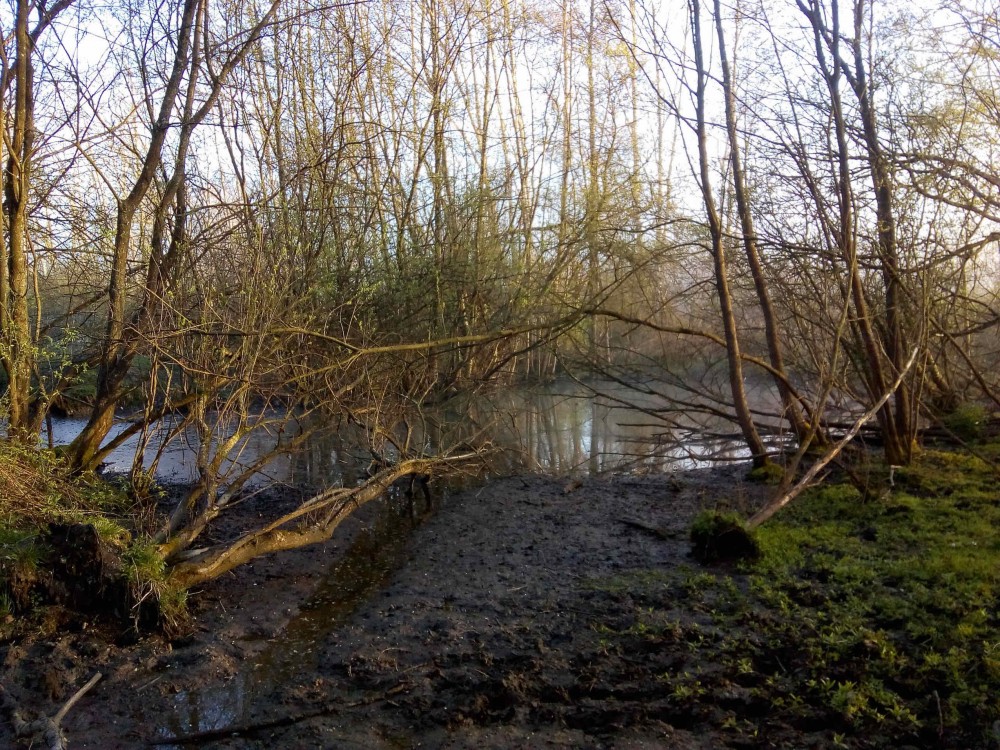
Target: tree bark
317,520
898,448
18,356
899,440
771,331
733,354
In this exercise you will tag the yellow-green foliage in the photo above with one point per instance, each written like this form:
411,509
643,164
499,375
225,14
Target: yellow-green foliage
143,565
967,421
146,572
768,473
36,489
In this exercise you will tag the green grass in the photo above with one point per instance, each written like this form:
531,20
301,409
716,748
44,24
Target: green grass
898,635
870,624
36,491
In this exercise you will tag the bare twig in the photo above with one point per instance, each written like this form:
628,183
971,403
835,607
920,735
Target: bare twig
782,500
48,728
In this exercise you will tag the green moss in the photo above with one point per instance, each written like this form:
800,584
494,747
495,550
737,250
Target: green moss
722,536
876,620
767,473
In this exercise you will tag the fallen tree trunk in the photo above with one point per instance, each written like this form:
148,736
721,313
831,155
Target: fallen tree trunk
786,497
316,519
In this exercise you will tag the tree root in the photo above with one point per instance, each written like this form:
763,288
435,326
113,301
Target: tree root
47,728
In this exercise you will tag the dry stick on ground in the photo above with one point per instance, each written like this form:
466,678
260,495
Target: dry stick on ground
782,500
198,738
48,727
648,528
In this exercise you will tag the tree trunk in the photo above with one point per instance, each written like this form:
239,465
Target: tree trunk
327,511
899,440
733,353
897,428
25,417
772,334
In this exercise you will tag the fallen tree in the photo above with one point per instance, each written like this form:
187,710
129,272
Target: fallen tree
313,521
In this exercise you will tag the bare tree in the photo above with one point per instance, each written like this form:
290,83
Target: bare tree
718,245
195,65
793,411
17,353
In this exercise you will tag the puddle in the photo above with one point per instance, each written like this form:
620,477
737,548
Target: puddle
365,567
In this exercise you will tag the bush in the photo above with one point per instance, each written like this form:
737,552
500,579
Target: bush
767,473
72,540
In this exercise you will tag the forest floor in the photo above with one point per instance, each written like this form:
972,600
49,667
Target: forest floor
534,613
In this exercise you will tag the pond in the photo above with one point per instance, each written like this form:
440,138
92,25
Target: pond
564,428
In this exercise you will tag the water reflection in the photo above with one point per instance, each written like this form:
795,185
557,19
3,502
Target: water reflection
564,428
569,428
377,550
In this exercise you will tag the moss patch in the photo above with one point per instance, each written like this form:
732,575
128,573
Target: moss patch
721,537
767,473
863,624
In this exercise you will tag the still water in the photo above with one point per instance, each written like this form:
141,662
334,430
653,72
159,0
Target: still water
565,428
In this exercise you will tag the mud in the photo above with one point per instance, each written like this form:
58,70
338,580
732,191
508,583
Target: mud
481,625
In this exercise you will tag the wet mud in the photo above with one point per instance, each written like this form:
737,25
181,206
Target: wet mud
481,624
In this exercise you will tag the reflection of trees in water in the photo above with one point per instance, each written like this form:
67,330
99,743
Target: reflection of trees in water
560,428
570,429
326,460
566,430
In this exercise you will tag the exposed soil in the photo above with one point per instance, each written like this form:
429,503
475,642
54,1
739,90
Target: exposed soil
483,628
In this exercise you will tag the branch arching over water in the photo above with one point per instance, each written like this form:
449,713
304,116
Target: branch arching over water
327,509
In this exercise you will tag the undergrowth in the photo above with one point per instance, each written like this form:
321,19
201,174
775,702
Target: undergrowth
864,623
37,491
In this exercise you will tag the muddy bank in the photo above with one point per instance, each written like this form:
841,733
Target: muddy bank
484,627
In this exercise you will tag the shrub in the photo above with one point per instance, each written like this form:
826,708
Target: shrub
966,421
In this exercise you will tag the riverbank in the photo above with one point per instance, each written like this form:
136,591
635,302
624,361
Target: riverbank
532,613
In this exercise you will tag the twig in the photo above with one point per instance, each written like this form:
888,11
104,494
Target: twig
57,719
937,699
48,727
642,526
